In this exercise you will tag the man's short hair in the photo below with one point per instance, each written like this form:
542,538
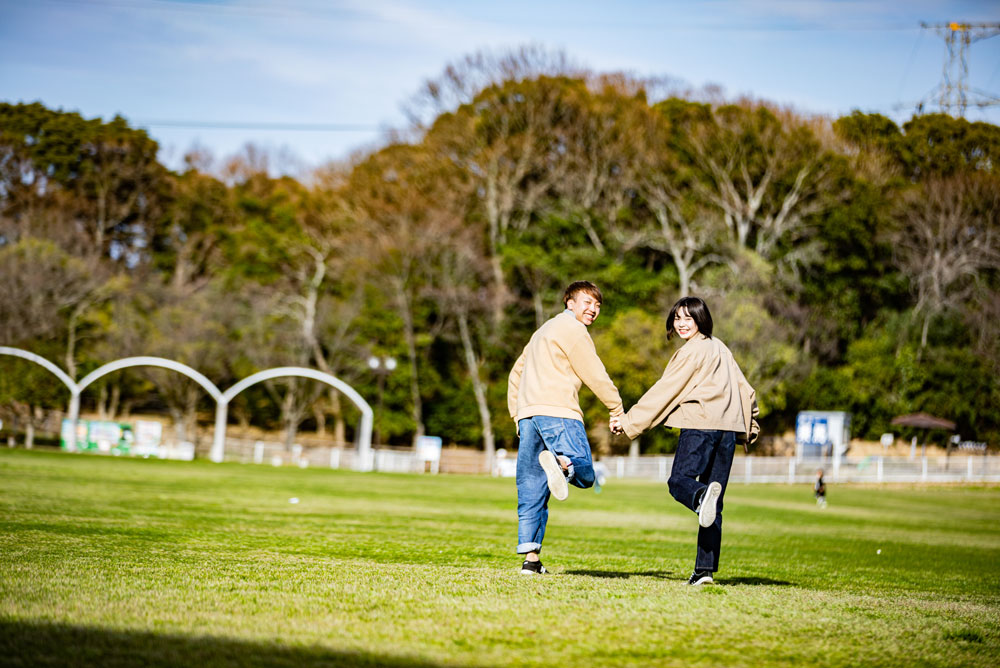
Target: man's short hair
697,309
582,286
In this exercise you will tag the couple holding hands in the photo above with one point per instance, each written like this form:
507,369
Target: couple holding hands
702,392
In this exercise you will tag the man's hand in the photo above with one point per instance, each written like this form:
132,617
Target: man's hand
615,425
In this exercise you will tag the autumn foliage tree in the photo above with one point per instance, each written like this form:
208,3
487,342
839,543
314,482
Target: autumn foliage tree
840,255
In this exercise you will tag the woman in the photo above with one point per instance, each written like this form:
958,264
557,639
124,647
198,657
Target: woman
704,394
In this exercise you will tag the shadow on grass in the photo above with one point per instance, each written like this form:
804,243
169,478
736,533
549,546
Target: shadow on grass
752,581
669,575
41,644
663,575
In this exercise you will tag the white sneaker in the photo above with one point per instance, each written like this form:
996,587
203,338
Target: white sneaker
706,513
554,474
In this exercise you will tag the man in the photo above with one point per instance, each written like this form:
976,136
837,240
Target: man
543,400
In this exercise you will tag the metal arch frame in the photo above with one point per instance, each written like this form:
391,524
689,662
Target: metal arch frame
74,388
125,363
162,362
364,462
41,361
222,399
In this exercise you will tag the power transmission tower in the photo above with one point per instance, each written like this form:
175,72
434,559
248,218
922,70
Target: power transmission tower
953,94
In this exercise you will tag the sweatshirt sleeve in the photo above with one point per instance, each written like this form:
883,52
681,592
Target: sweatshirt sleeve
514,384
748,398
590,369
664,396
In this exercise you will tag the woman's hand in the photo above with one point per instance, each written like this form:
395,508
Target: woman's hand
615,425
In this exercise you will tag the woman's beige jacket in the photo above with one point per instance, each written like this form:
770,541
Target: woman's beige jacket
702,387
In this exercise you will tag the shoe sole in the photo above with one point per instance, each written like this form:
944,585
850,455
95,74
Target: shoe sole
557,481
526,571
706,516
704,580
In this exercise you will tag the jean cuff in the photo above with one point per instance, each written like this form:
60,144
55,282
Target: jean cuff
525,548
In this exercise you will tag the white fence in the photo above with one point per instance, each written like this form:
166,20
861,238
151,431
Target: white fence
263,452
957,468
874,469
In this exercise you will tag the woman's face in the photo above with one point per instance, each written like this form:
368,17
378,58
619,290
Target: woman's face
684,324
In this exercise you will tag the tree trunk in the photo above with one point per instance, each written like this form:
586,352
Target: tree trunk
405,311
288,417
116,395
243,421
339,426
498,290
320,416
479,390
536,300
180,427
102,400
71,345
683,277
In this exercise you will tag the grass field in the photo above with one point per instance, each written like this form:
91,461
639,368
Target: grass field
116,562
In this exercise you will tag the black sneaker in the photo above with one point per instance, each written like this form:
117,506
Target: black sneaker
700,578
532,568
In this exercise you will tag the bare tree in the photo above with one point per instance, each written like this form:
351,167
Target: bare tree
392,203
949,238
463,80
982,314
457,273
193,329
765,172
47,293
508,136
198,216
683,226
685,230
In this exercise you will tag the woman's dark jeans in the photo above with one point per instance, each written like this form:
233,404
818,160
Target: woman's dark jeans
703,456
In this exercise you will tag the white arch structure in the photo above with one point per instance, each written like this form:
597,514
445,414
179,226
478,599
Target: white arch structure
363,463
32,357
222,399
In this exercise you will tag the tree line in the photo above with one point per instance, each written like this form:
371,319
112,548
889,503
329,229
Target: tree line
851,263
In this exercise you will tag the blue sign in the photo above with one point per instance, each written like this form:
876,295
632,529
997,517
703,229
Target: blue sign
812,430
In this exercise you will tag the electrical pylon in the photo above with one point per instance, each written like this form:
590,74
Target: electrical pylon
953,94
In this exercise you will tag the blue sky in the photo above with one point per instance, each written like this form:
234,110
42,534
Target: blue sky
244,64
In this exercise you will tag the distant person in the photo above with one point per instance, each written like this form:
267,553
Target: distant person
703,393
819,489
543,399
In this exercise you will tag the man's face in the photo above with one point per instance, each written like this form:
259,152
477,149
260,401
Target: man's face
584,307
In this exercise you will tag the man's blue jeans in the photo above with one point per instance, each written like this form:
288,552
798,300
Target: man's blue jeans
703,456
562,436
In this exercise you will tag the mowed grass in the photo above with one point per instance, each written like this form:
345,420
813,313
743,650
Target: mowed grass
116,562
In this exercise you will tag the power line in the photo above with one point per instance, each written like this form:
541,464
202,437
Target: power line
909,64
322,11
245,125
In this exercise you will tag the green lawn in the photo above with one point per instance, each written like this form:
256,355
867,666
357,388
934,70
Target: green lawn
128,562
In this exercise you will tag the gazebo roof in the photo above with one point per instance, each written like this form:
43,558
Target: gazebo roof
923,421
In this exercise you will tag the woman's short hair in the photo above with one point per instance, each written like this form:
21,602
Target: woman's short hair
697,309
582,286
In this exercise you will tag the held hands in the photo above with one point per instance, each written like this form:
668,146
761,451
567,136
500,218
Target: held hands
615,425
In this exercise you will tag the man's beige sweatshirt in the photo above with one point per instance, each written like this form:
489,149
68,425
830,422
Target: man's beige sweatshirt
701,388
547,376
